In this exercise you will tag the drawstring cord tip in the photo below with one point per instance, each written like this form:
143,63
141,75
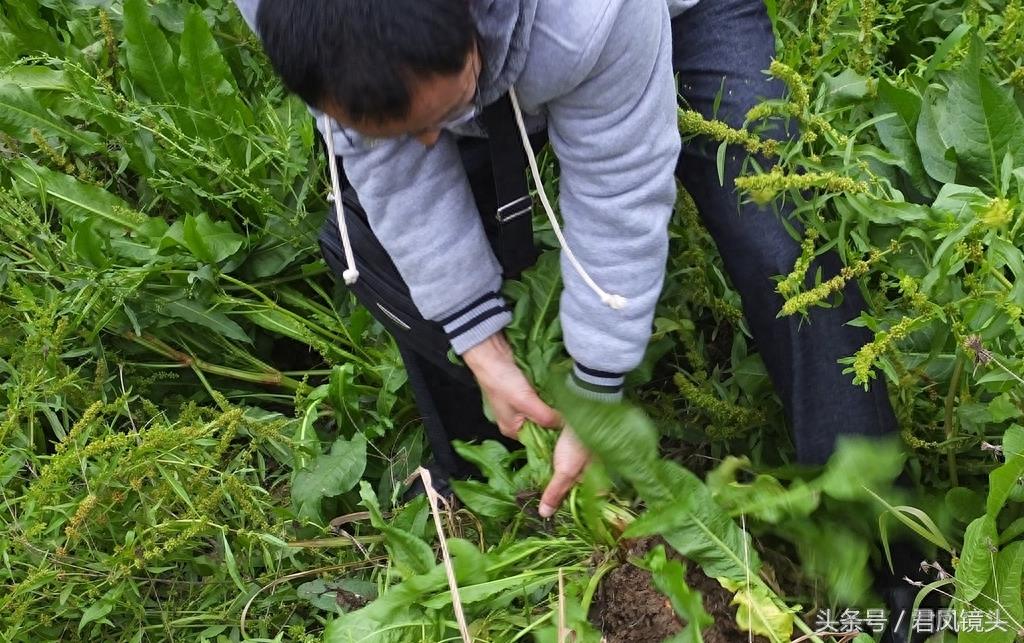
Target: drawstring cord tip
615,302
350,276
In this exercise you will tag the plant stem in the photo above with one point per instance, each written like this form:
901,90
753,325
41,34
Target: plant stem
954,384
270,378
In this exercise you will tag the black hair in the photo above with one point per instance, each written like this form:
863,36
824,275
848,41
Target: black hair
361,55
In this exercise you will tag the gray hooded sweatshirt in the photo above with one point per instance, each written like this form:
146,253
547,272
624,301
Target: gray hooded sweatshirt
599,74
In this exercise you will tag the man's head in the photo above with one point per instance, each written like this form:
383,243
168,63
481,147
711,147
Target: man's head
382,67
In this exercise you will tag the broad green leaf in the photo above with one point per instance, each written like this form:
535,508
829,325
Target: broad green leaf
860,464
194,312
982,122
410,554
231,563
766,499
899,134
965,504
846,88
535,330
944,48
31,77
149,56
680,507
206,74
210,86
1013,441
832,551
758,613
20,114
210,241
376,623
1003,407
90,244
1001,483
697,527
72,197
521,584
884,212
999,602
539,446
937,157
669,577
977,557
318,595
95,612
306,443
484,499
329,475
1009,579
491,457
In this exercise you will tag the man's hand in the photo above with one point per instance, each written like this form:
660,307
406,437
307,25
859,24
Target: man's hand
507,390
570,459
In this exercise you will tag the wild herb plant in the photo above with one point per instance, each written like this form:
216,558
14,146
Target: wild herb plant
187,401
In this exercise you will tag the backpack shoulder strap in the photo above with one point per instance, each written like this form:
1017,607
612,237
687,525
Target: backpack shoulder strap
516,249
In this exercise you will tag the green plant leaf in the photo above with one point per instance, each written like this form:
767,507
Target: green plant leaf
95,612
999,602
72,197
976,558
207,77
535,330
210,241
329,475
938,158
697,527
1013,441
1003,407
1001,483
231,563
982,122
210,86
491,457
409,553
484,499
20,113
965,504
846,88
758,613
899,134
90,244
680,507
669,577
860,464
766,499
832,551
194,312
149,56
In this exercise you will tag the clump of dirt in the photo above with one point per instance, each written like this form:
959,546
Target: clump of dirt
628,608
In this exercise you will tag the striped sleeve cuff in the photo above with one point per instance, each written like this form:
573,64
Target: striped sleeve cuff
477,321
593,384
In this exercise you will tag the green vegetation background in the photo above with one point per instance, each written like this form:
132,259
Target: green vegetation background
186,399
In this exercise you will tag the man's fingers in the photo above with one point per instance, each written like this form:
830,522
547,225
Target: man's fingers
561,483
534,408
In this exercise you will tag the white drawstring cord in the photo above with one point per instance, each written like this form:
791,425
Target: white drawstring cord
351,274
616,302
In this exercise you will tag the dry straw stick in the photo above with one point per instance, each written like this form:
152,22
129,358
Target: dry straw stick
433,498
563,634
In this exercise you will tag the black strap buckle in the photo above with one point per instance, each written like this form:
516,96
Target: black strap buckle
516,248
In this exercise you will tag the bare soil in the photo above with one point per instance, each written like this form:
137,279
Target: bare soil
628,608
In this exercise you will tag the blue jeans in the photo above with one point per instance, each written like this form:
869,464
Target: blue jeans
733,40
716,40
